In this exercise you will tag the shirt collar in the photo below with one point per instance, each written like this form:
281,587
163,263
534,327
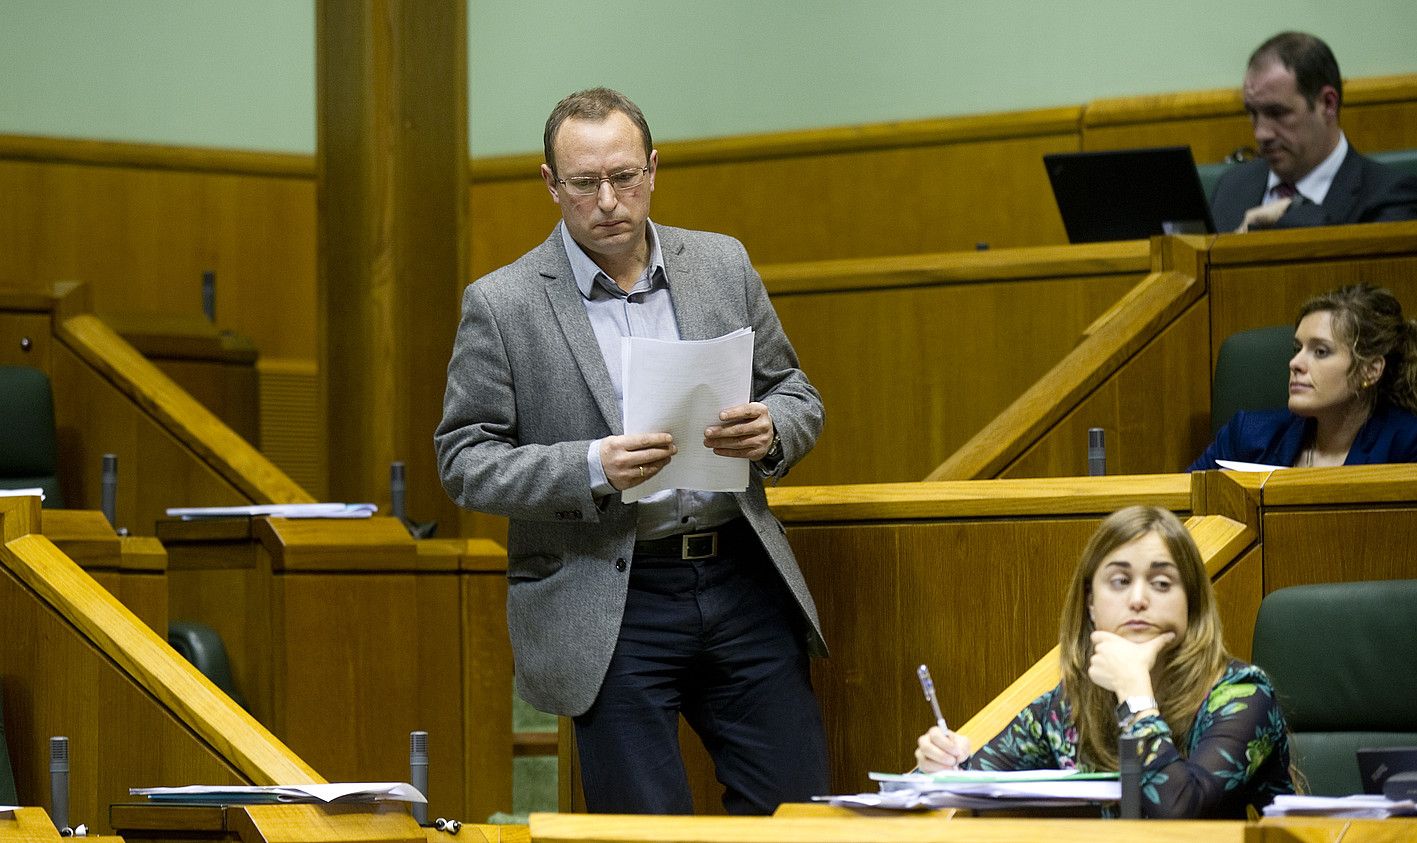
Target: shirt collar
587,273
1314,186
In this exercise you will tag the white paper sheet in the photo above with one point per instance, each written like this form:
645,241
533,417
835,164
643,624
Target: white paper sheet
1236,465
22,493
1357,806
679,388
277,510
332,792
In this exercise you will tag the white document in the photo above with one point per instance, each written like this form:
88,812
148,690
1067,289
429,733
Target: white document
1236,465
333,792
679,387
21,493
279,510
1358,806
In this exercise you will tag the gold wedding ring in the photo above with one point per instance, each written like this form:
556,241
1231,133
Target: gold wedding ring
642,471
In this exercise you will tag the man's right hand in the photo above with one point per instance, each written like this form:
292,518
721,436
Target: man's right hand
634,458
1264,216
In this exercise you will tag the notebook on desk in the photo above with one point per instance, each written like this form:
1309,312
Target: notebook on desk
1128,194
1376,764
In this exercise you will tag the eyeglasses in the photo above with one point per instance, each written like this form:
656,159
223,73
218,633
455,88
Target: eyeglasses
590,185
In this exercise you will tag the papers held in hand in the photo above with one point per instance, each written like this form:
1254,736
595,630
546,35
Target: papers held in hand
985,789
199,794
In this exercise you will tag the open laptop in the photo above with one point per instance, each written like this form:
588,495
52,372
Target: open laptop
1376,764
1128,194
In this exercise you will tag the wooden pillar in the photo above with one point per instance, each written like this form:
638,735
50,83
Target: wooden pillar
391,89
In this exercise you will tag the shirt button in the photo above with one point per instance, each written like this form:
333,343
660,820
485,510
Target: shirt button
620,565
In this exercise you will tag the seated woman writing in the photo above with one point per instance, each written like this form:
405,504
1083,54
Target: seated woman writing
1352,390
1142,657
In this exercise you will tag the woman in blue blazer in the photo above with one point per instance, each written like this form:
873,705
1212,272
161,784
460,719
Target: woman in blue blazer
1352,390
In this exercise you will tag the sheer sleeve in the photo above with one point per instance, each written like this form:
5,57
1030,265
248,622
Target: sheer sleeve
1032,740
1238,729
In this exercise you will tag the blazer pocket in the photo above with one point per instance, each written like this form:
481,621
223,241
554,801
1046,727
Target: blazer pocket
532,567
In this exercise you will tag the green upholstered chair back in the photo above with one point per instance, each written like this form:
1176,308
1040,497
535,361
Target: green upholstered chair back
1343,659
203,647
1404,160
29,456
1210,174
1251,373
8,795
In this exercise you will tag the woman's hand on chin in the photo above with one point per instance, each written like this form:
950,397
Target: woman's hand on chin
1124,666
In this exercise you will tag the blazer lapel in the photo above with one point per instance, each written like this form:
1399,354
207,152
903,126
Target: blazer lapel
1343,192
690,288
569,309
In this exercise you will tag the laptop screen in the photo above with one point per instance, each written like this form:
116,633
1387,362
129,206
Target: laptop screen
1128,194
1375,764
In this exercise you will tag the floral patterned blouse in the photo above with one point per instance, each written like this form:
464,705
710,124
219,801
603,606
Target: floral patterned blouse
1237,749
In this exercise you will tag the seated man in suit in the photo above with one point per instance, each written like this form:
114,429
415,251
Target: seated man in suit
1307,174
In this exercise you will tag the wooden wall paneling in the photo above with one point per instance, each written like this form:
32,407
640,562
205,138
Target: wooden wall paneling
1113,340
24,339
1238,592
1155,411
142,236
223,581
486,677
908,375
1338,545
1244,297
362,659
155,470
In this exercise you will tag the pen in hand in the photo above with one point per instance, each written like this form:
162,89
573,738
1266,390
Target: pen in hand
928,686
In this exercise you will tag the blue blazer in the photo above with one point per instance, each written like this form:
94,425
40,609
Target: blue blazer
1275,437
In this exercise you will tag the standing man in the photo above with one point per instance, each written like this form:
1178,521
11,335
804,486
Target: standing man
623,616
1306,174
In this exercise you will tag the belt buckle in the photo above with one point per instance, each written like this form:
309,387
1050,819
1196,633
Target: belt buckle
699,545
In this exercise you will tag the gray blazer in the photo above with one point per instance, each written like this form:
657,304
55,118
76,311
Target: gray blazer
1363,190
528,391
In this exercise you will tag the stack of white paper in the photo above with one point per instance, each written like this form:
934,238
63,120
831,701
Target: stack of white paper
236,794
984,789
278,510
21,493
1358,806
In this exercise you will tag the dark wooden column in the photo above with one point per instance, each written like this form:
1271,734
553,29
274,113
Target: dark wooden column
391,88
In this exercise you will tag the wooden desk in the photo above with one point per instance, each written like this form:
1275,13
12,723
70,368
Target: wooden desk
384,823
345,635
132,568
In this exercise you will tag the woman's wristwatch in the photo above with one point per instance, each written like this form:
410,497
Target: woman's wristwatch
1131,708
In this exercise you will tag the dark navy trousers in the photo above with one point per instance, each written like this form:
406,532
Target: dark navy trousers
720,640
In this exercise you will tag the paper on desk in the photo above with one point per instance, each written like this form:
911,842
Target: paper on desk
1236,465
334,792
278,510
985,789
679,387
21,493
1358,806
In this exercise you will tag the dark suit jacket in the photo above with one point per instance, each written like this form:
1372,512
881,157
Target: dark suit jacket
1362,191
528,391
1275,437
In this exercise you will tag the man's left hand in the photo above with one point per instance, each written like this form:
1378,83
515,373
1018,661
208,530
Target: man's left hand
746,432
1264,216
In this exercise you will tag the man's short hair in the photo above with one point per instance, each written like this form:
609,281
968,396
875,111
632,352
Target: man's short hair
1307,57
592,104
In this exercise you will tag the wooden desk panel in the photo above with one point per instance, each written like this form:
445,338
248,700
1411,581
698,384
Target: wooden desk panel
1339,545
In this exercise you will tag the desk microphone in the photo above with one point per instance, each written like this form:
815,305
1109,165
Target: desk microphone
59,784
1096,452
418,767
1129,774
398,487
109,500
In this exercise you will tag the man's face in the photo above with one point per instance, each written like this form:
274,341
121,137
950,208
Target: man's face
1293,134
608,222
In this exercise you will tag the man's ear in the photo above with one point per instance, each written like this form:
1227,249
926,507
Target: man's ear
1327,101
550,179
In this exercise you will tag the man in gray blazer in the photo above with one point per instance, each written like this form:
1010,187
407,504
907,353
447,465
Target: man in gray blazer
623,616
1307,174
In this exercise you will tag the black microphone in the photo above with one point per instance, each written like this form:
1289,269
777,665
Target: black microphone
397,489
59,784
418,765
1096,452
1129,773
109,485
209,295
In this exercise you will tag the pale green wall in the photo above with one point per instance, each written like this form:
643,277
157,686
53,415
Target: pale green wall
241,74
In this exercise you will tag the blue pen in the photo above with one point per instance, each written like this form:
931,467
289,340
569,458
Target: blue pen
928,686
